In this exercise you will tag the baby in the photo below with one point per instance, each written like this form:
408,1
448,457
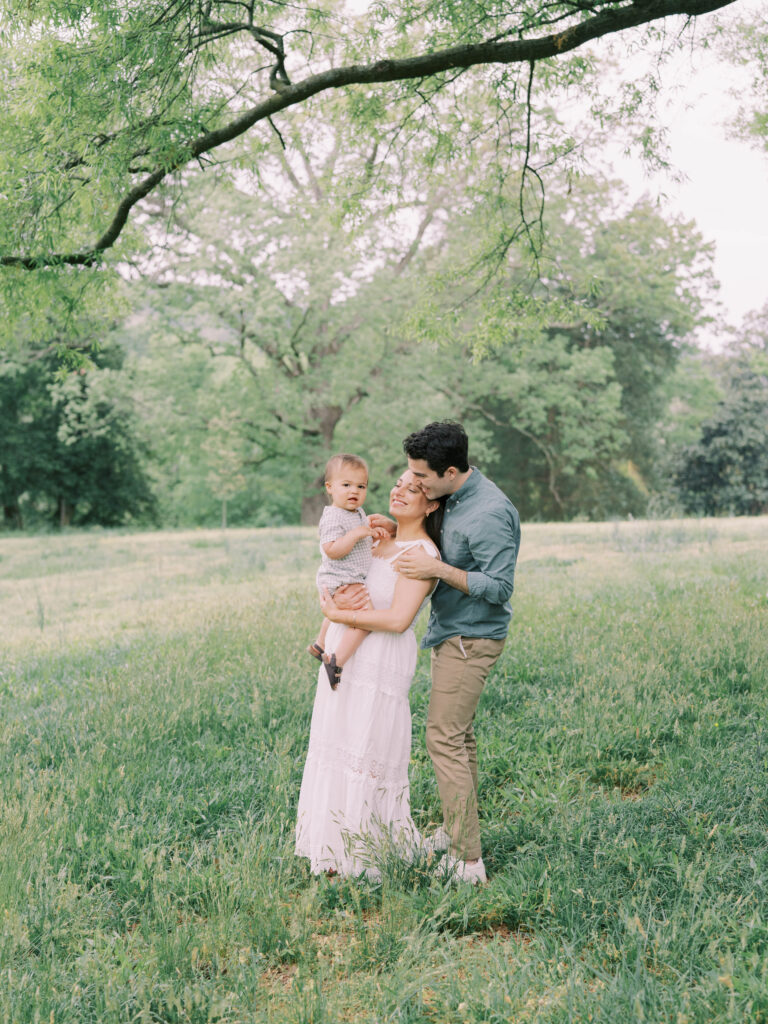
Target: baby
345,547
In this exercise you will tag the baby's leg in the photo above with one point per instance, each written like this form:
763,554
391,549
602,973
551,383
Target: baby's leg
317,647
323,630
348,644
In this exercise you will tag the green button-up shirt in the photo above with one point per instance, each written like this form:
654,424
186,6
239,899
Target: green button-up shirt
481,534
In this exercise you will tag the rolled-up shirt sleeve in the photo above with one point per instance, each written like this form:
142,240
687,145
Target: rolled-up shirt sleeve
494,551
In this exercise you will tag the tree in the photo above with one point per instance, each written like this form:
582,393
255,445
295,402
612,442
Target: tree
574,385
691,394
725,472
70,452
105,102
747,45
295,303
225,476
552,416
27,423
647,278
321,337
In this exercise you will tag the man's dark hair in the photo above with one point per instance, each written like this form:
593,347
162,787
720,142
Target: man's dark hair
440,445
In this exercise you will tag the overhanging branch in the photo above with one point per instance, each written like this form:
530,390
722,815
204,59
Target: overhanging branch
529,51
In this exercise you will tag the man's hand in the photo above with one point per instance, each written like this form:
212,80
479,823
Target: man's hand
352,597
416,564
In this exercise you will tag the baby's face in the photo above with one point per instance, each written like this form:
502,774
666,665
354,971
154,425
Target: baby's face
347,488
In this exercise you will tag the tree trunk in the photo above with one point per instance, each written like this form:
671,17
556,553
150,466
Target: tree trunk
312,504
66,511
12,516
224,514
314,499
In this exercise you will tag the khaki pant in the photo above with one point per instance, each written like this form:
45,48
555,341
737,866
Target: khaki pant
460,666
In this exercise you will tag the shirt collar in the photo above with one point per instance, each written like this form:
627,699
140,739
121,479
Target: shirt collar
466,490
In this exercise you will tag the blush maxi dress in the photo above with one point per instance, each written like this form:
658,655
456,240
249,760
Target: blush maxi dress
354,801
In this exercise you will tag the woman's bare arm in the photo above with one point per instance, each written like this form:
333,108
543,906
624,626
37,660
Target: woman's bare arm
406,602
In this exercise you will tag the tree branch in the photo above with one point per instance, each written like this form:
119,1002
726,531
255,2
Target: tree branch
413,248
535,243
604,23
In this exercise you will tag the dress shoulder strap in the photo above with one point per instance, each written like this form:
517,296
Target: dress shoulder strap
426,544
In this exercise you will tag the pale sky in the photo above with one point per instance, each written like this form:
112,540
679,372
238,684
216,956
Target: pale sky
726,181
726,186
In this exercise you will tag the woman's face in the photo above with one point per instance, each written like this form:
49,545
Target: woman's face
407,500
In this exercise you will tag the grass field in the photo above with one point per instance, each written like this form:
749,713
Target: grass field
154,712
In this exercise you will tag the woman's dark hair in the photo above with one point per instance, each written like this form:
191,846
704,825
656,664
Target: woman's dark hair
434,522
440,445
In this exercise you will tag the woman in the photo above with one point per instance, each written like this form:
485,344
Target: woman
354,794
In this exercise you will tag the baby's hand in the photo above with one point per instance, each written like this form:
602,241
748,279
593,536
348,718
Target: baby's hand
380,533
363,530
378,521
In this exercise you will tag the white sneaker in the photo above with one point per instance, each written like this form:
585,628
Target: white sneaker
460,871
437,842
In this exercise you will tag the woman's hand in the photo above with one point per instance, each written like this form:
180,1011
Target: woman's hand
352,597
330,609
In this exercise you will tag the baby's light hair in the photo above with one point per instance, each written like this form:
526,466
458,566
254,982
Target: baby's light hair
337,462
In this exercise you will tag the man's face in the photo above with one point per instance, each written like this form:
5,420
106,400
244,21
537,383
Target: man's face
434,486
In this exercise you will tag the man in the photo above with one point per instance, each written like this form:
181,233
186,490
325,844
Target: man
467,626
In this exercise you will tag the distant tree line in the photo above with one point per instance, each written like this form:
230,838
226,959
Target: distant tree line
230,372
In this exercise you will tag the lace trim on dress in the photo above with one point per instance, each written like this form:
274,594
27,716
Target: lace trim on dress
357,766
394,694
367,680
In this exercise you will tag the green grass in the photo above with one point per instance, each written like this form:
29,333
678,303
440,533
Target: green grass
154,710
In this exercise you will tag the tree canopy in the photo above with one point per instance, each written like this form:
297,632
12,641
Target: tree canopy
726,471
70,446
319,340
104,102
318,209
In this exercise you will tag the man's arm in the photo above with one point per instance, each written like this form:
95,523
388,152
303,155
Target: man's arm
494,551
406,601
